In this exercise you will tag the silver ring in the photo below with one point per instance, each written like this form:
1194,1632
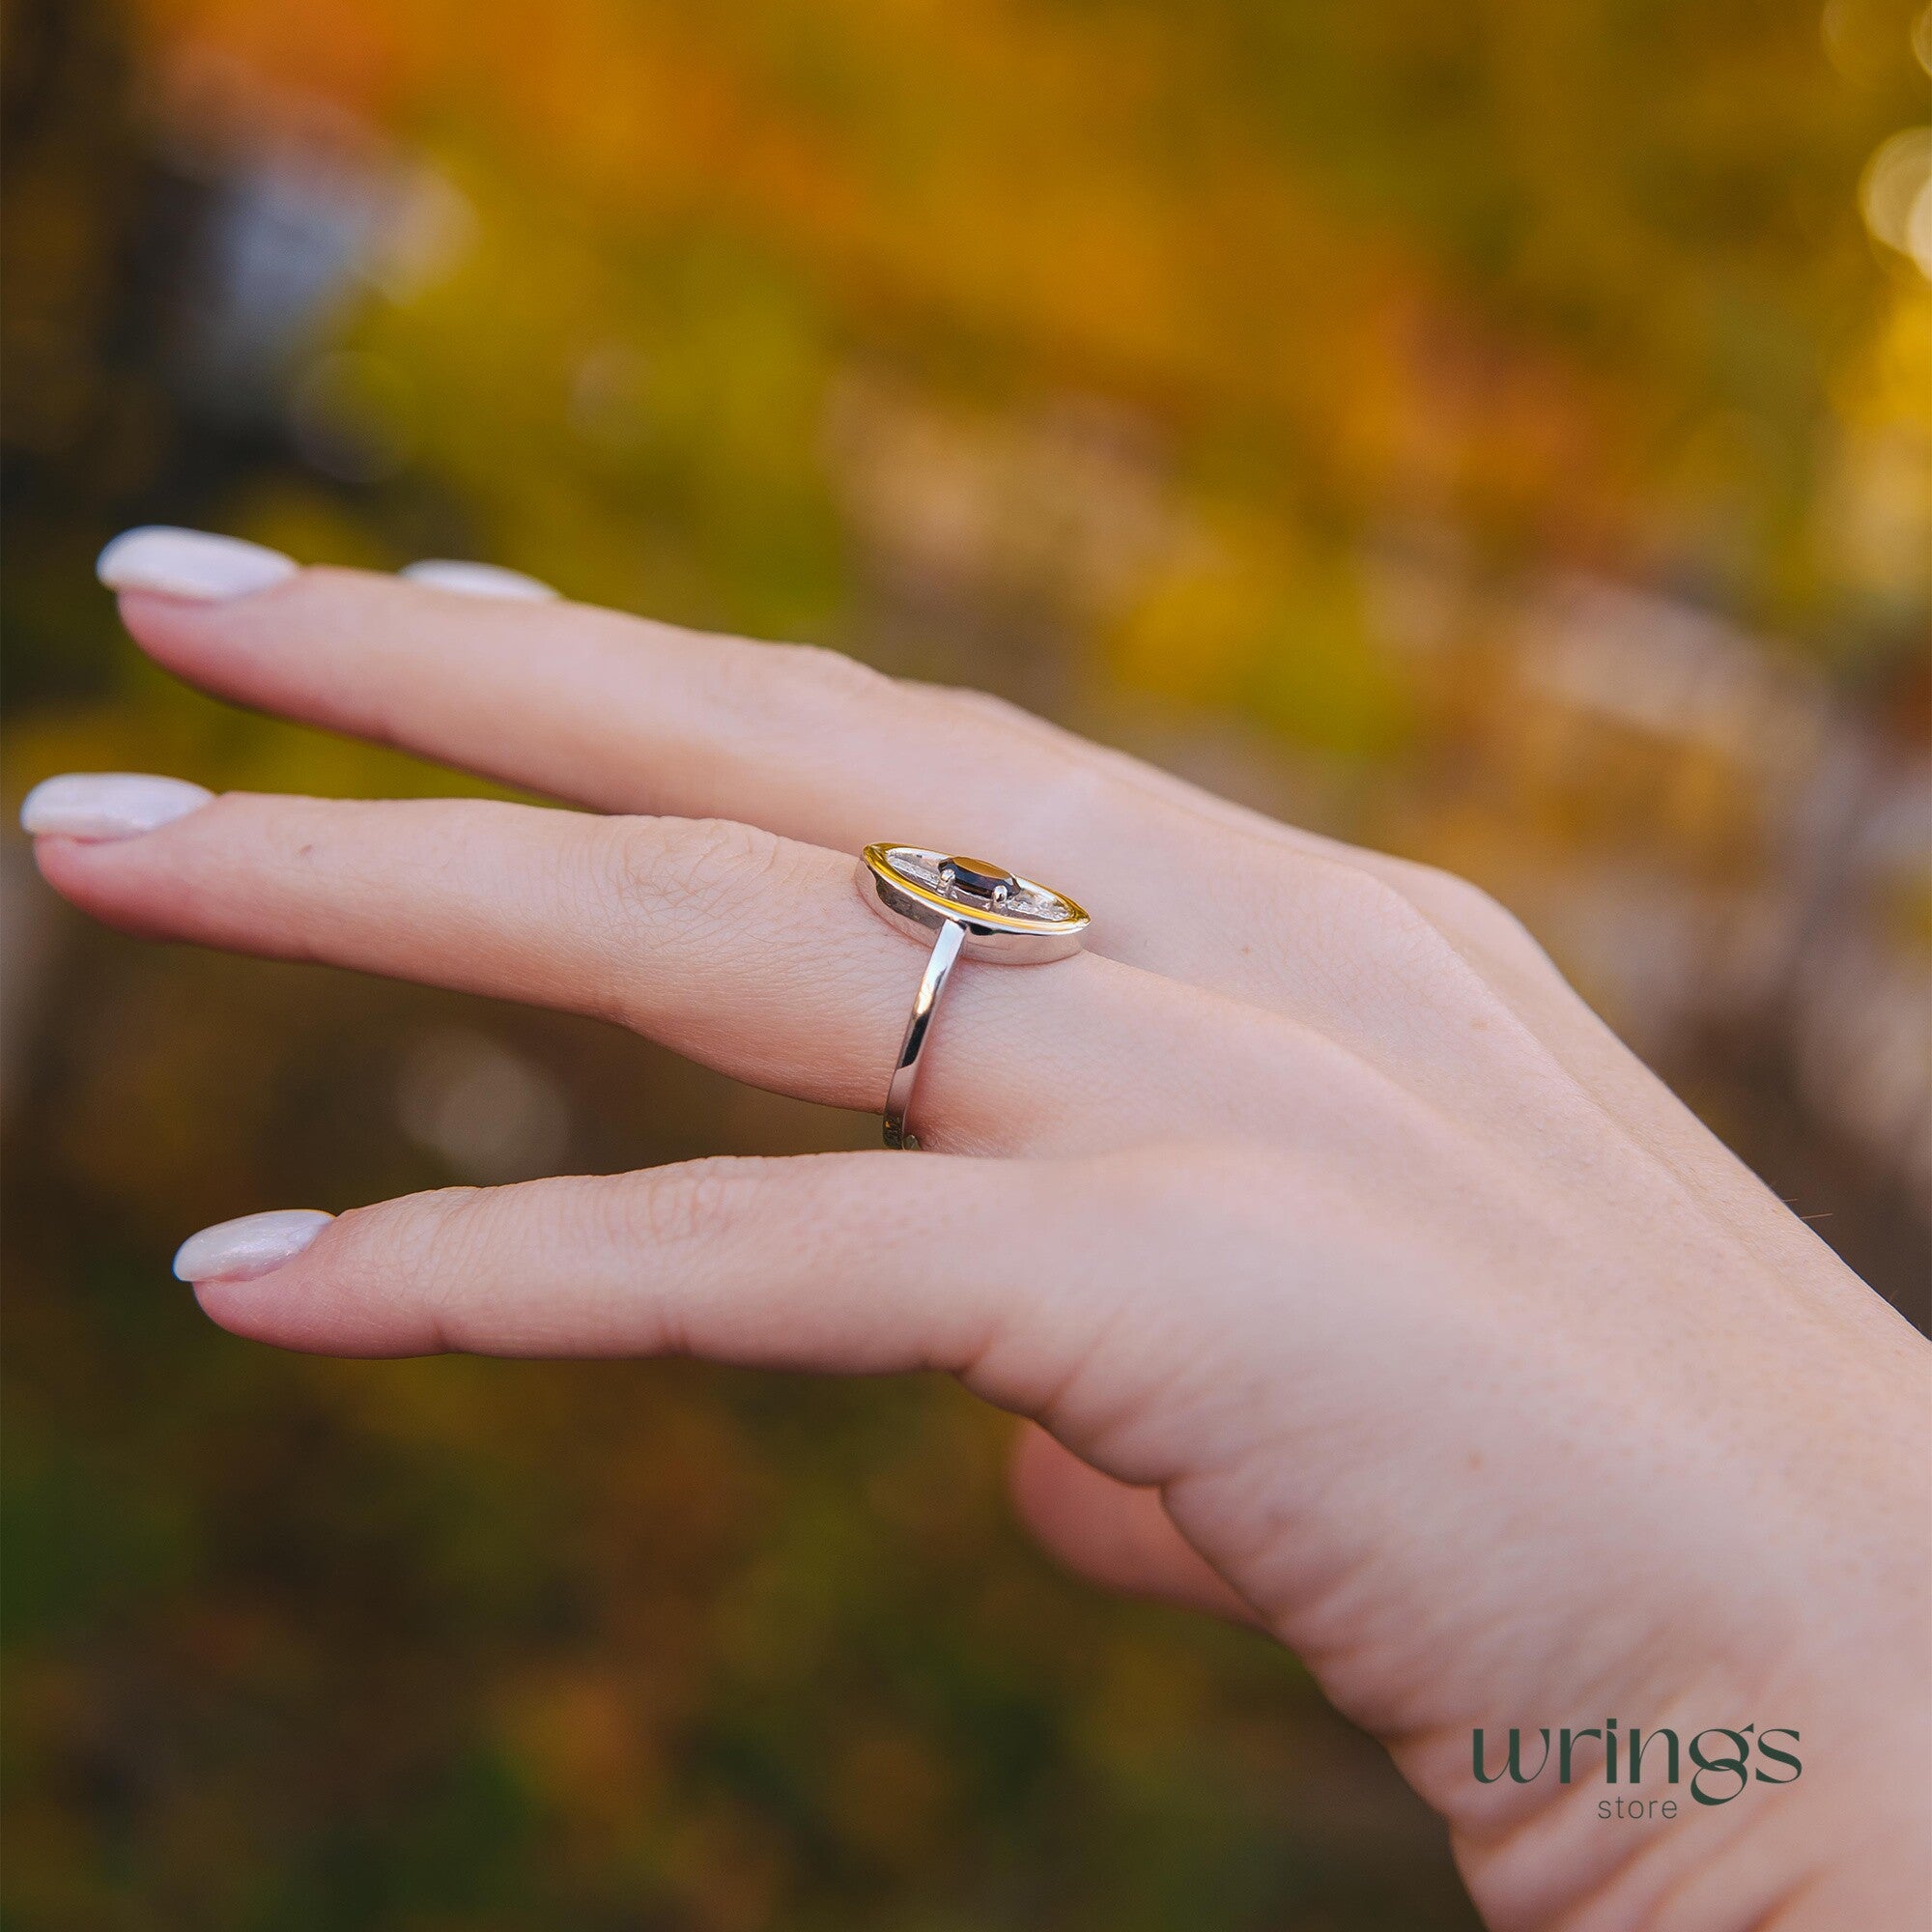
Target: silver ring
966,907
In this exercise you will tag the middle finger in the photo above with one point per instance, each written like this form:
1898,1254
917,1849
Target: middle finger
626,714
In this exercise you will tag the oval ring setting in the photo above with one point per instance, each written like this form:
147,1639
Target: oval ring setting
968,908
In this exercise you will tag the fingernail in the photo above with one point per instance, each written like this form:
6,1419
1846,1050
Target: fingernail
256,1245
192,564
104,806
476,579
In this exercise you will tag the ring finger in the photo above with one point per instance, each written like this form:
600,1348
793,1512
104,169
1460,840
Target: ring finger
749,953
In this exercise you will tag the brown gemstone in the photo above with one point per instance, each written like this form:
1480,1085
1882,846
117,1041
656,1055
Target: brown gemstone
979,878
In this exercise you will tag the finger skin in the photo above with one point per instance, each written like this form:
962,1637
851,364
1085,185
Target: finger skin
1377,1428
849,1263
1401,965
1373,1396
1034,1281
755,955
619,711
751,953
829,1261
628,715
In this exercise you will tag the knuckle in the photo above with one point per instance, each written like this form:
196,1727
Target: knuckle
1416,917
425,1255
1435,920
1374,904
681,872
820,668
697,1202
984,707
1466,909
1401,903
758,680
1446,892
702,861
1360,911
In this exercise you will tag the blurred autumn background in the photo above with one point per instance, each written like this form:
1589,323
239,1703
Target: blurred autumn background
1495,430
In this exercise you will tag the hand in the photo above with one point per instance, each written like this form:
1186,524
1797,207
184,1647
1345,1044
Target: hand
1362,1283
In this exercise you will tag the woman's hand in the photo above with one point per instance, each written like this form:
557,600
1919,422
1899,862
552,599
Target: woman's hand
1361,1282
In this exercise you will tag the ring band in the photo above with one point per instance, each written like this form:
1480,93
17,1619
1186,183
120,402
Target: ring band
968,909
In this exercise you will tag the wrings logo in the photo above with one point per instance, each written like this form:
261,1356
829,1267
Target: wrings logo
1628,1753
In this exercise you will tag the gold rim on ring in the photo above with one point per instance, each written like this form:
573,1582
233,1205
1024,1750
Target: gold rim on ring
970,909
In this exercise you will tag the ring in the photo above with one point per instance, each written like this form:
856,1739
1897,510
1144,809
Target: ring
964,906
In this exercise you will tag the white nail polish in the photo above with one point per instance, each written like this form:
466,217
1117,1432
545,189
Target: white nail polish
104,806
476,579
254,1245
192,564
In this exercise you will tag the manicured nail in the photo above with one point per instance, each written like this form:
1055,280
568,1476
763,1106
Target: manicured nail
193,564
256,1245
476,579
104,806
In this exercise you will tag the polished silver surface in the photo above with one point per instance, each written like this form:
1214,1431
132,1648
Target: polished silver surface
968,908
